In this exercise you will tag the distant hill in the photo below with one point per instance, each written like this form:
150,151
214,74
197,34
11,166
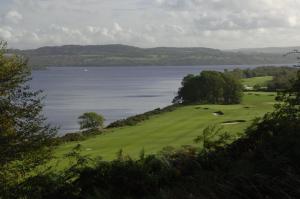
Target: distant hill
122,55
270,50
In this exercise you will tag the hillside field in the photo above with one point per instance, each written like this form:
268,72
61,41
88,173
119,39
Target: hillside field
175,129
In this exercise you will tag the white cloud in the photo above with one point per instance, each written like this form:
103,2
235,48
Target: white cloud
233,14
5,34
13,16
93,29
293,21
117,27
145,23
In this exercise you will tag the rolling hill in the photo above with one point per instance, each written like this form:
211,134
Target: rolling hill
122,55
269,50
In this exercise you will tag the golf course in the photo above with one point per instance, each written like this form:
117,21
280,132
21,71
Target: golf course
175,129
261,81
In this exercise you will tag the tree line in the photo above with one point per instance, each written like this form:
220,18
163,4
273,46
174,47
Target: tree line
283,77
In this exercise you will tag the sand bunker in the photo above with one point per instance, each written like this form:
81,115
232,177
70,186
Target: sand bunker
218,113
233,122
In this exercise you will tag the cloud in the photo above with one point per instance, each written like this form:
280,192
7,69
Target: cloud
13,16
293,21
233,14
150,23
5,33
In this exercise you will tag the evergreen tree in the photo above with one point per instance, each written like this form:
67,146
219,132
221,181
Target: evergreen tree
25,139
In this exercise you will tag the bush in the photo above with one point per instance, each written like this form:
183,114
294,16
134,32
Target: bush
134,120
71,137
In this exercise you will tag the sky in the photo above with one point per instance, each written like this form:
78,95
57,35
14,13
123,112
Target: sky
222,24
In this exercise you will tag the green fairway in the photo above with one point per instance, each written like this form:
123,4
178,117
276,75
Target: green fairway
175,128
261,81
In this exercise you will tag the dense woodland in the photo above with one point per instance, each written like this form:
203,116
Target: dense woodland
263,163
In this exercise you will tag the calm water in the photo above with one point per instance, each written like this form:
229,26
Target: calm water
115,92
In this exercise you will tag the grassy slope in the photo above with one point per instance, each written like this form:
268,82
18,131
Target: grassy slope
262,81
172,129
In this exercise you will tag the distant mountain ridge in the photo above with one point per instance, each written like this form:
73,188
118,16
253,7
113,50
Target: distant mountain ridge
123,55
269,50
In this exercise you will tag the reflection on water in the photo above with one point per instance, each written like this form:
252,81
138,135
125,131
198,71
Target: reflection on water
115,92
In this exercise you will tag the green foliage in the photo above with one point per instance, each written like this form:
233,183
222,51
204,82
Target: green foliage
134,120
78,136
25,139
71,137
213,138
264,71
77,160
91,122
282,82
210,87
273,78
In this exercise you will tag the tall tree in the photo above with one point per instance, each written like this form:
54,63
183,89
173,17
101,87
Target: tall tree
91,121
210,87
25,138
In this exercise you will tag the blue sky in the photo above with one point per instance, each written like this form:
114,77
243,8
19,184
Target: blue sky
224,24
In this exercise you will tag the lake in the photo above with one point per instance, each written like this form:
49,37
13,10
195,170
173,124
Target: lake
115,92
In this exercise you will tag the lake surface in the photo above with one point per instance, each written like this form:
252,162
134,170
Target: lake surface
115,92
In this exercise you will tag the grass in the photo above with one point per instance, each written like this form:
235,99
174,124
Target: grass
261,81
175,129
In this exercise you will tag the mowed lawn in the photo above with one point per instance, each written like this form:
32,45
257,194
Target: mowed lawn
176,128
261,81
